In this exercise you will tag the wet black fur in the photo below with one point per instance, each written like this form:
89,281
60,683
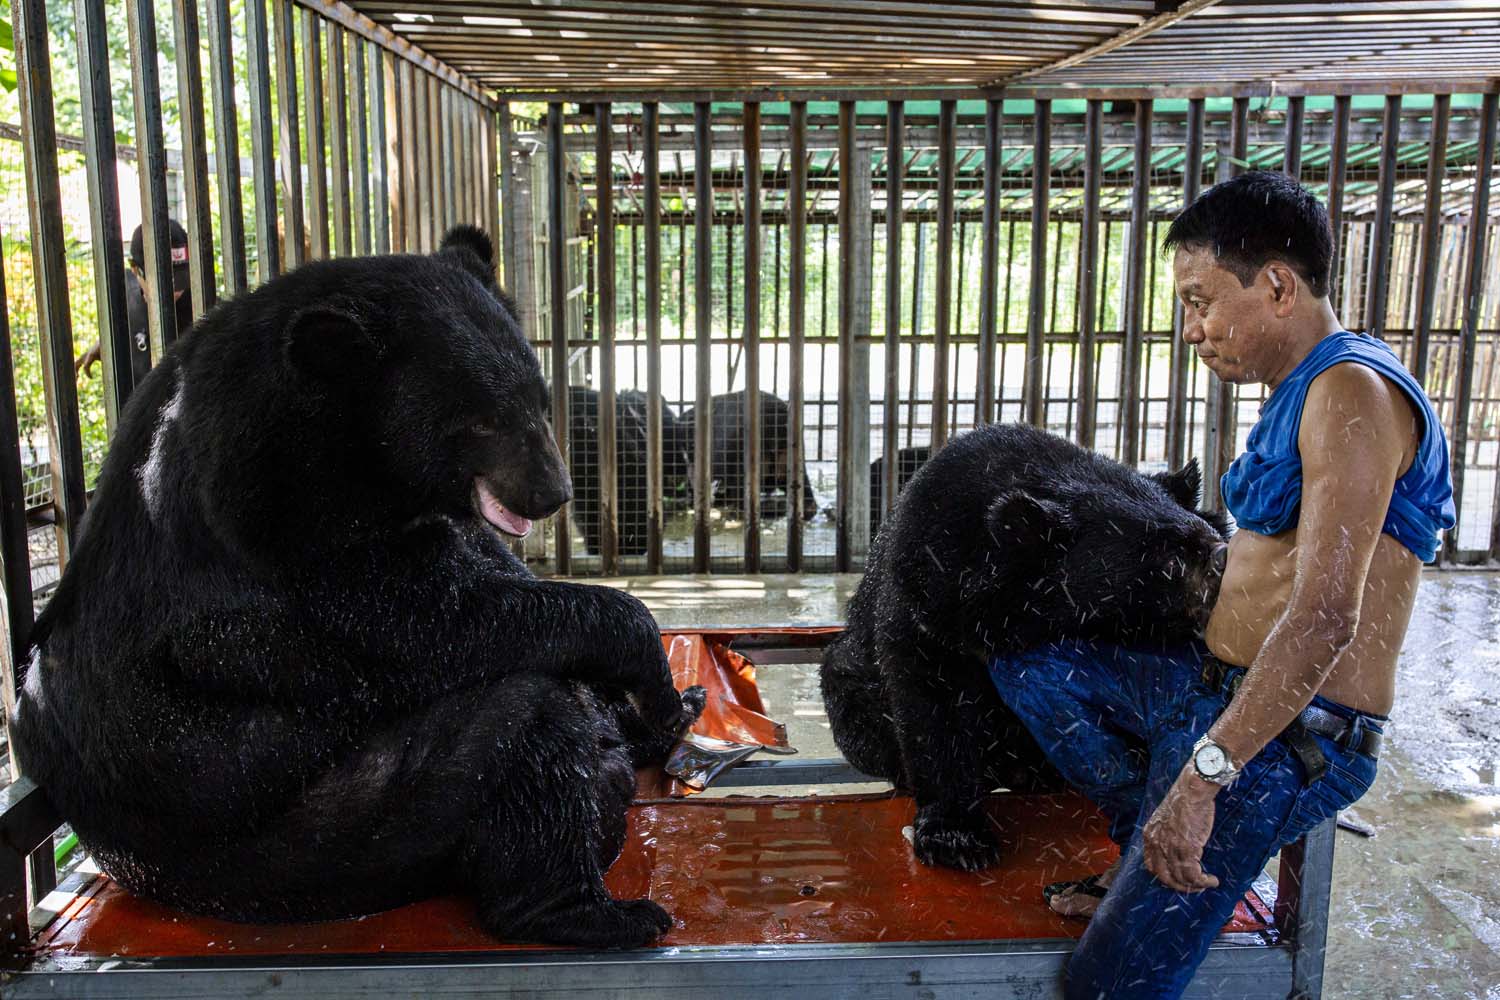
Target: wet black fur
633,509
1006,539
312,682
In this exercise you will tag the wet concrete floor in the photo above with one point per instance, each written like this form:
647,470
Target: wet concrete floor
1416,907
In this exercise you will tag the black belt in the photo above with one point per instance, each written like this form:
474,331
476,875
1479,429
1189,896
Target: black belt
1312,721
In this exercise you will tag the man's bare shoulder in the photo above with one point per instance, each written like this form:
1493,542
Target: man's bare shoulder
1351,405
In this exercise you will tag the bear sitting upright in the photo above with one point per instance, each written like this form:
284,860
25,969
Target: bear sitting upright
1006,539
294,672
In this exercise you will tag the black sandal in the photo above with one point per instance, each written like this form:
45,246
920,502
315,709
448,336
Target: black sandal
1088,886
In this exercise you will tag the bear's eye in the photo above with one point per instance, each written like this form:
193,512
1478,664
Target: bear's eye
481,429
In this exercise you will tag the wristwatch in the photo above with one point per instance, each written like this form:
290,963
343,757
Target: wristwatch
1212,763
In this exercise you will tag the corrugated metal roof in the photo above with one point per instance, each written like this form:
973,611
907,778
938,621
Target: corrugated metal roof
601,46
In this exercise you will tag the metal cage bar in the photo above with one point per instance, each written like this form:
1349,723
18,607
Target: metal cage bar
1432,231
226,146
895,159
942,323
284,31
1135,286
655,516
604,248
1036,314
752,248
557,178
161,317
338,136
262,146
796,330
199,223
1378,268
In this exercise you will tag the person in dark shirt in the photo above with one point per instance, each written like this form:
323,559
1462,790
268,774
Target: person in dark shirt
136,299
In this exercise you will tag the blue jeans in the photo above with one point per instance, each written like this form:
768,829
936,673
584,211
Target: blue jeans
1120,725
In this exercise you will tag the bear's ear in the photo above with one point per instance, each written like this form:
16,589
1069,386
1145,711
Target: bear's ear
1185,485
471,249
1016,516
325,341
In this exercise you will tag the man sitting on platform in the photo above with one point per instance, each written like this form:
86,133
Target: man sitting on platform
1273,723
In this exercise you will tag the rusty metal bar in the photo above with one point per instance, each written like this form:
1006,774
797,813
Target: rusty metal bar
448,151
604,246
844,542
651,153
1291,160
942,313
1378,266
1338,159
283,31
262,145
490,186
1192,181
422,175
753,441
703,194
989,269
15,555
380,158
338,134
1224,396
1468,357
1088,261
97,107
796,328
432,173
507,193
557,174
1135,286
199,224
347,17
1036,310
151,170
226,145
49,263
895,159
411,225
317,175
1432,231
360,160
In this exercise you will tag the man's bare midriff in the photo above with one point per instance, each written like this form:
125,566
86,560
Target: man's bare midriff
1253,596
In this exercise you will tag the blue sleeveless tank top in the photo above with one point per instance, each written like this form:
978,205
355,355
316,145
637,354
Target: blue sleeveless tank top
1263,488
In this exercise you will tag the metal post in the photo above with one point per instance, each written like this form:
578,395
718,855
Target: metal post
508,194
262,148
989,268
1304,884
1473,294
407,167
15,557
703,218
843,546
1088,261
942,313
382,138
796,328
338,134
895,159
1135,282
1378,268
199,224
433,170
1036,315
1224,423
1291,160
604,245
421,177
284,30
360,161
751,140
317,176
104,216
557,171
1192,180
1432,231
226,145
651,151
1338,159
151,169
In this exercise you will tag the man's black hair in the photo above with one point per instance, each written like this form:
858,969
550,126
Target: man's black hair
1257,217
178,238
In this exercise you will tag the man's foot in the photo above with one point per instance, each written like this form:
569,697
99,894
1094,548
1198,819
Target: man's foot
1080,897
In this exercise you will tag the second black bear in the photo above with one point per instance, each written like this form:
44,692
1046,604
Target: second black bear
1006,539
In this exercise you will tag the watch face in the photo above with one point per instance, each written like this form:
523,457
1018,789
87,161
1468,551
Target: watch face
1210,760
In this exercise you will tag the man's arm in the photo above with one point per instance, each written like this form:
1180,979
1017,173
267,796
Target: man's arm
1354,435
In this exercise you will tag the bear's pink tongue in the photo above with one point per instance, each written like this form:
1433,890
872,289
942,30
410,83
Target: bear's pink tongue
494,512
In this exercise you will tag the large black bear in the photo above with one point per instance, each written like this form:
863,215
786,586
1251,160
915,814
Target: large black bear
293,670
727,461
632,507
1006,539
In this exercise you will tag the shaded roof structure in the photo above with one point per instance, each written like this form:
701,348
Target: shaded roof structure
579,47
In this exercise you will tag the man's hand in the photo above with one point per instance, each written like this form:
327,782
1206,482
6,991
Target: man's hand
1176,833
